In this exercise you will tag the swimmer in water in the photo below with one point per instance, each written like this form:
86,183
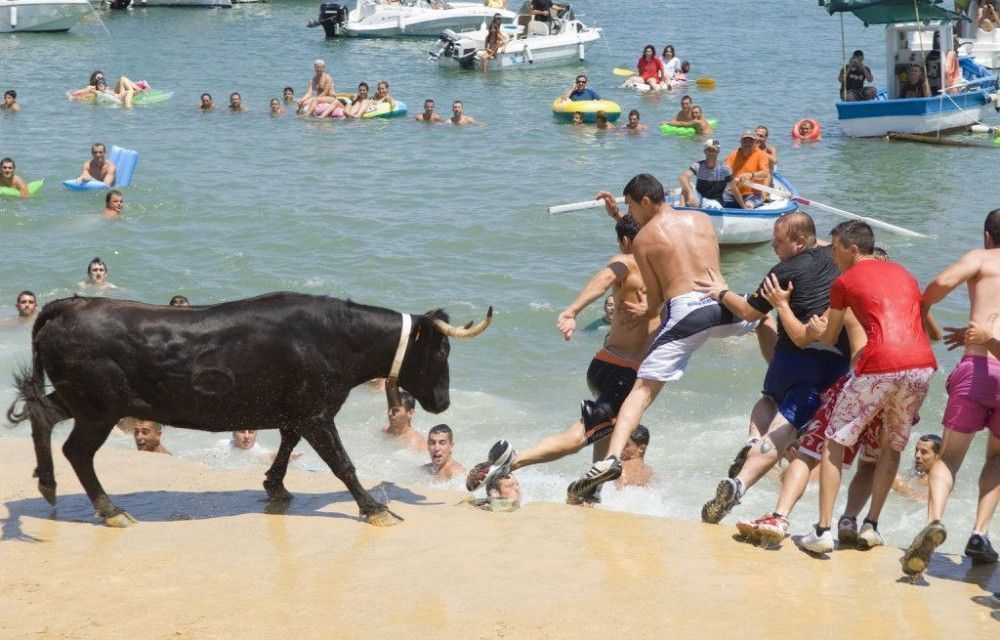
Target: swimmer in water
635,471
114,202
10,101
359,102
806,129
27,307
98,168
236,103
602,122
207,103
577,117
458,114
97,276
634,126
440,445
288,95
179,301
148,436
276,108
428,115
10,179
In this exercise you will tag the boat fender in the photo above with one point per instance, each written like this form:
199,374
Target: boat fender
527,54
813,135
579,51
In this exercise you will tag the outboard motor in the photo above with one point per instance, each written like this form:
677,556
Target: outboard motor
119,5
445,45
333,17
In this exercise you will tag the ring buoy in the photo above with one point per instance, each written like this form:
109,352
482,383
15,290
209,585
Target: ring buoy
563,110
812,135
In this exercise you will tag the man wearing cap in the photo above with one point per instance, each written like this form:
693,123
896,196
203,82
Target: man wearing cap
749,164
711,179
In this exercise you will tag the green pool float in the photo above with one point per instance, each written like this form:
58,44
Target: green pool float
688,131
10,192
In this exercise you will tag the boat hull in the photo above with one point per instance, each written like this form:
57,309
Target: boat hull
395,20
41,15
749,226
225,4
527,53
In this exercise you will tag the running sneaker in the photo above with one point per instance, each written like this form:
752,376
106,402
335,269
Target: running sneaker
500,453
602,471
847,530
918,555
727,496
980,549
497,473
817,543
769,528
741,458
869,537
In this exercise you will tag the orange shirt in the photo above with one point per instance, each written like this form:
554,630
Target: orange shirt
755,162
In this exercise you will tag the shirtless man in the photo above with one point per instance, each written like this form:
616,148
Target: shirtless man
10,101
685,115
27,307
635,471
400,428
634,126
147,436
973,399
207,104
236,103
428,115
98,168
440,445
611,373
772,154
114,202
672,250
320,89
8,177
97,276
458,114
698,119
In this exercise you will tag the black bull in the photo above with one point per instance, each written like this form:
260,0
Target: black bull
282,360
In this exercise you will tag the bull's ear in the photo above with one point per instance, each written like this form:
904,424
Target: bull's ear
438,314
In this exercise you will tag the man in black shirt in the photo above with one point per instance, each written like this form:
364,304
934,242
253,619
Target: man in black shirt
799,371
541,10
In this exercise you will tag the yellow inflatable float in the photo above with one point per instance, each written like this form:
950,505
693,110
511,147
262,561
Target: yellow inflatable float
563,110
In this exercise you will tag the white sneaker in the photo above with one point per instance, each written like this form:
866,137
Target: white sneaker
816,543
869,537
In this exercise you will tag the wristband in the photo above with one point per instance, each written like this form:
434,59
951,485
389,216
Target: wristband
721,295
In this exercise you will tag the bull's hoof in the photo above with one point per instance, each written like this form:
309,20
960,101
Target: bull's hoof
121,520
278,493
48,492
383,519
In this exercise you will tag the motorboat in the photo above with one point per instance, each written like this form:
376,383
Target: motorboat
210,4
530,43
385,18
41,15
948,108
751,226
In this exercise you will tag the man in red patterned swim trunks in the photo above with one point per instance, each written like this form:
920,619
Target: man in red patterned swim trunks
890,379
973,400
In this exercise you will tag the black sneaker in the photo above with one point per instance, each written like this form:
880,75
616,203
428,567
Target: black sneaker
980,550
602,471
918,555
741,459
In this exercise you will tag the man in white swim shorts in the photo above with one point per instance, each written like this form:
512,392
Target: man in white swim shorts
673,249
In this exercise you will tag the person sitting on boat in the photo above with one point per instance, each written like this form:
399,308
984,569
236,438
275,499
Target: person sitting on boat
634,126
579,91
651,71
541,10
852,79
9,179
763,133
428,115
698,120
207,103
916,85
495,41
711,178
319,89
671,63
10,101
359,102
749,165
685,116
988,17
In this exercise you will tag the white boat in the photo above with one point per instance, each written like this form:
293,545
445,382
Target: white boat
224,4
982,46
41,15
530,43
381,18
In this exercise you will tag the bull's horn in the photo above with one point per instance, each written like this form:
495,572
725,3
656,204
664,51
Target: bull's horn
466,331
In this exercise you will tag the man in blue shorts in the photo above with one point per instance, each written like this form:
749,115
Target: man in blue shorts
800,370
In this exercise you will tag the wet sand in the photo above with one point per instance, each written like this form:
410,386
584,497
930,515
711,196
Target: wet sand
206,561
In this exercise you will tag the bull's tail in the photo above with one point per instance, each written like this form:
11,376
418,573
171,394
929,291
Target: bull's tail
43,413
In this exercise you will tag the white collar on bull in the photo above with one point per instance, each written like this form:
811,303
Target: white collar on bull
404,339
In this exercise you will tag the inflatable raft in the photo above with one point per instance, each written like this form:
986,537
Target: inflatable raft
384,110
683,130
33,187
563,110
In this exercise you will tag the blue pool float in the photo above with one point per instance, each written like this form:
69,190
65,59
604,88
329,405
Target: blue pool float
124,161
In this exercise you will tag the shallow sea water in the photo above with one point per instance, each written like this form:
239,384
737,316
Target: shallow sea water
413,217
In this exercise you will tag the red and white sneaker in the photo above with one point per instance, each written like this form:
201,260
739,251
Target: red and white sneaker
769,528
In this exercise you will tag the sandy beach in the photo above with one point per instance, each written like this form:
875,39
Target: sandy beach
207,561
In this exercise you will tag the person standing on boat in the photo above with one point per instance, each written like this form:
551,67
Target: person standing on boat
711,179
579,91
973,398
749,165
319,90
852,79
800,370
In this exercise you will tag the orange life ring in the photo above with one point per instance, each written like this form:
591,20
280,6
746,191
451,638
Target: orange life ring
813,135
